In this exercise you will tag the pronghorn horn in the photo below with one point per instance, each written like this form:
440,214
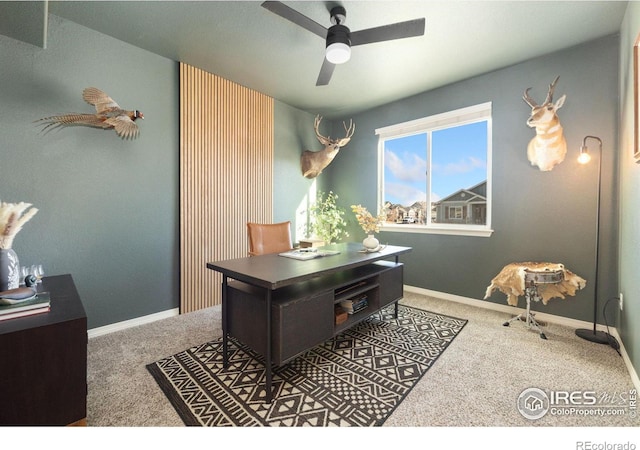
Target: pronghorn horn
552,87
527,98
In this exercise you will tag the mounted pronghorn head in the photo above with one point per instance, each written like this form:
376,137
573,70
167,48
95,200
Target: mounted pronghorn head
313,163
548,147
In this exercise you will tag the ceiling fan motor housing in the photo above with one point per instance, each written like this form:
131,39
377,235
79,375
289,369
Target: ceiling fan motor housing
338,34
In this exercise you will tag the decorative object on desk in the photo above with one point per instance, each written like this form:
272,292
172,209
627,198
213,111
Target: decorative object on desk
548,147
30,280
18,295
370,243
511,281
13,216
36,304
109,115
9,269
308,253
313,163
327,219
357,378
370,225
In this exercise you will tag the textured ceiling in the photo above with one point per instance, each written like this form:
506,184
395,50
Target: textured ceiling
243,42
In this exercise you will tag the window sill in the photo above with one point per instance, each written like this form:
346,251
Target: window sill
449,230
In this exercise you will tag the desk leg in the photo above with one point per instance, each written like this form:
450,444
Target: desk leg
267,356
225,342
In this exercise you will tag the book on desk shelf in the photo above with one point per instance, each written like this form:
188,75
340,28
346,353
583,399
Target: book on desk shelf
40,304
308,253
354,305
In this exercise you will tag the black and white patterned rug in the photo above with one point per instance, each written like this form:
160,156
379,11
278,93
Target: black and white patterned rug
357,378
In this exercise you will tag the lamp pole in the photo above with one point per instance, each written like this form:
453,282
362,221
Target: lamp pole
594,335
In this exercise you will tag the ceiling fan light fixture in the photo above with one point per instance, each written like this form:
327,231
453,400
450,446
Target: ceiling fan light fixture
338,49
338,53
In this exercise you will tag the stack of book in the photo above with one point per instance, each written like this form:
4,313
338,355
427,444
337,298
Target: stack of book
37,305
353,305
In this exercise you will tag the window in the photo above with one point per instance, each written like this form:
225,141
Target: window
435,173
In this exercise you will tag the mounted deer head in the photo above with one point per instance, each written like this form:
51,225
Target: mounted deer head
313,163
548,147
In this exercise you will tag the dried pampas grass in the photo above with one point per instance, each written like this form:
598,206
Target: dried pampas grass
12,218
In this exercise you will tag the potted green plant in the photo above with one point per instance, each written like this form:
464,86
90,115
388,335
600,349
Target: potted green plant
326,219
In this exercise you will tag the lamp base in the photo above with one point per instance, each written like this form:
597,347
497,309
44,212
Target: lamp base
599,337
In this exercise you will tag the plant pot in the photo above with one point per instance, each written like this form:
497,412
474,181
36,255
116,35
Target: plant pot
370,243
9,269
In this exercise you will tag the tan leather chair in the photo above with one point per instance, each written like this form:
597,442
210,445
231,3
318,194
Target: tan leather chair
269,238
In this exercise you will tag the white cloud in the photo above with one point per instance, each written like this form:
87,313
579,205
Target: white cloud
464,166
408,168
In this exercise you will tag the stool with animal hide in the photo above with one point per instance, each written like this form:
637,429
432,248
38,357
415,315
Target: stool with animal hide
537,282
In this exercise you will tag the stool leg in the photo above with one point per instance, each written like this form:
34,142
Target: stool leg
531,321
528,315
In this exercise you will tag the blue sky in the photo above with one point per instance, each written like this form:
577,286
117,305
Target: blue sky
459,160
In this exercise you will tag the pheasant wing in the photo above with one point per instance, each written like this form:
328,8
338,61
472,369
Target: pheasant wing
99,99
124,126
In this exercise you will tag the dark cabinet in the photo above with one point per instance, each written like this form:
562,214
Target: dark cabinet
44,361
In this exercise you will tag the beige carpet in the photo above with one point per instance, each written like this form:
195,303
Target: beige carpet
475,383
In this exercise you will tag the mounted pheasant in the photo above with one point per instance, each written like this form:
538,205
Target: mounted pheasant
109,115
313,163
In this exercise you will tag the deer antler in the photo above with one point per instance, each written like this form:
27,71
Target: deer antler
334,142
348,132
316,124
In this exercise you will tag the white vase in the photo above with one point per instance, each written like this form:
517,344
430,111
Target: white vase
370,243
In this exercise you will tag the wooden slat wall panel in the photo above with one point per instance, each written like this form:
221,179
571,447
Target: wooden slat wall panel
226,177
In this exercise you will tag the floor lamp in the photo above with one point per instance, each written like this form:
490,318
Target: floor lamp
594,335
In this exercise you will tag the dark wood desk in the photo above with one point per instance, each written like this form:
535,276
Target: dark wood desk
44,361
281,307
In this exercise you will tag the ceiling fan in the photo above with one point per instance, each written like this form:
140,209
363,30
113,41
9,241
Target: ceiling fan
339,39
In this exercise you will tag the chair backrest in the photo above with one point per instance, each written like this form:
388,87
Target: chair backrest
269,237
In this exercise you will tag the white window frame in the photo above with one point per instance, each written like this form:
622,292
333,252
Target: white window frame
463,116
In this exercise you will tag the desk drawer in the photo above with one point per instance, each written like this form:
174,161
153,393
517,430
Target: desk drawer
301,324
297,324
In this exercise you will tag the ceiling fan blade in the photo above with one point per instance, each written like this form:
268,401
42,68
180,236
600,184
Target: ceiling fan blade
294,16
325,73
400,30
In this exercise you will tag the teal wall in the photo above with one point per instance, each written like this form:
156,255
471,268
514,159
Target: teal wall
293,132
629,260
537,216
108,208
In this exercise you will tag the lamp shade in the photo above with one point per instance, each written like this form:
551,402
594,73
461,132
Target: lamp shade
338,53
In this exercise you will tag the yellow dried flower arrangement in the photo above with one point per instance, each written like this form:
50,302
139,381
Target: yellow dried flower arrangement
367,221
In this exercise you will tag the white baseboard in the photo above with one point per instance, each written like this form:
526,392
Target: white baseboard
550,318
100,331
